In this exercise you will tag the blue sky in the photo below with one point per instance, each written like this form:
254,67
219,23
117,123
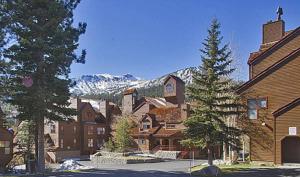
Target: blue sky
150,38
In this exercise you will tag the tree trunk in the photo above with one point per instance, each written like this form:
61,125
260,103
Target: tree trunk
36,145
209,154
41,150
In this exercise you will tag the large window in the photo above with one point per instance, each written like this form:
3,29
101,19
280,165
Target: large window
100,130
90,143
254,105
6,146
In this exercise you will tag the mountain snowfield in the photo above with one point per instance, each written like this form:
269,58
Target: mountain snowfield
106,83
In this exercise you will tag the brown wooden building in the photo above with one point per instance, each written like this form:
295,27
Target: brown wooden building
6,144
159,120
273,96
85,134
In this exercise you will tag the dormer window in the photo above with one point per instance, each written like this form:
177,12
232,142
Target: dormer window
254,105
146,125
169,88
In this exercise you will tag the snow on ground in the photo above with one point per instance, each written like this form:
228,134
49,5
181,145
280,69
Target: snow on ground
145,155
72,165
19,168
217,162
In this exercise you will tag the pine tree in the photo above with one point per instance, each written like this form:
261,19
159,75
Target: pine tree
123,139
212,93
42,49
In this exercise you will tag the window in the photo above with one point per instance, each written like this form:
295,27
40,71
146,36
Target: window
90,143
74,129
169,88
90,130
61,143
52,128
6,151
146,125
254,105
100,130
262,102
6,146
170,126
142,141
74,141
100,143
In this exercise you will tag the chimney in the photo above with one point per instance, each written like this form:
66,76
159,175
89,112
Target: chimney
103,108
130,97
273,31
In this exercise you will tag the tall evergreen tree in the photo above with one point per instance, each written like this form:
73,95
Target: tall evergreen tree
212,91
42,49
123,139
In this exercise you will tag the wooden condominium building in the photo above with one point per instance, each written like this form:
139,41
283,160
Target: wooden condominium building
272,95
6,144
159,121
85,134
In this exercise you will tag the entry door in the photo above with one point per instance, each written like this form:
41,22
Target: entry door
291,150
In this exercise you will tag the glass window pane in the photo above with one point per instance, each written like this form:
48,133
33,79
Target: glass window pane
7,151
252,104
262,103
252,113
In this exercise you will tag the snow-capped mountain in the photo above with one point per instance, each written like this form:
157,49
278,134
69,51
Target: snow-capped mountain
106,83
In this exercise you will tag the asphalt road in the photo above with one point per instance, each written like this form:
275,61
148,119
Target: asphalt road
170,169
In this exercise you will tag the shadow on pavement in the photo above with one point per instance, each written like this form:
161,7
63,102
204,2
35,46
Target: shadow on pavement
266,172
119,173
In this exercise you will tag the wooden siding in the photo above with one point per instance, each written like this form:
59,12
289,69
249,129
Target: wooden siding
5,158
281,87
67,134
276,56
283,122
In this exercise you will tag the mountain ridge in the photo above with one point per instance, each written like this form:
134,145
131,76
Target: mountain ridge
96,84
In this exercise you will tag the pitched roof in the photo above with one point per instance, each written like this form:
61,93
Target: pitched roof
152,116
286,107
269,70
167,114
168,133
174,77
129,91
260,56
157,102
136,131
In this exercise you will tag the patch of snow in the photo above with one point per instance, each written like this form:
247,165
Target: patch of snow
217,162
145,155
19,168
72,165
